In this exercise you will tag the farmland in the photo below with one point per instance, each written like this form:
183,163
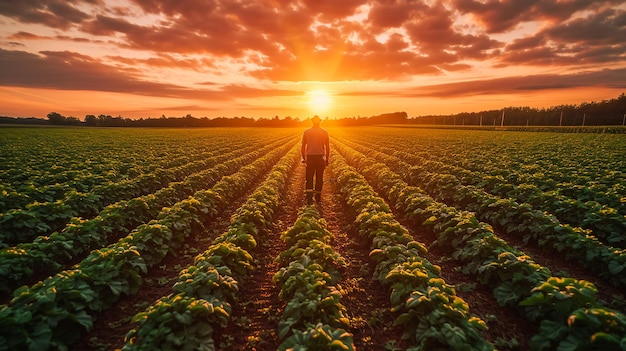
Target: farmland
140,239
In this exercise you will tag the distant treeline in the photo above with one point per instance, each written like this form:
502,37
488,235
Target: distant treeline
189,121
605,113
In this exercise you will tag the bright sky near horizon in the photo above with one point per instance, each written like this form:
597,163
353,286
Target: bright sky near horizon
266,58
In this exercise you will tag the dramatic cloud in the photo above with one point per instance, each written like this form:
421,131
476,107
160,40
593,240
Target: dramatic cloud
254,49
67,70
501,15
58,14
589,40
615,79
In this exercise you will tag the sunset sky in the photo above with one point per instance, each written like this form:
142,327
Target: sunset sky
335,58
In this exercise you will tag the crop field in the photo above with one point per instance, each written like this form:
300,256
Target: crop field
200,239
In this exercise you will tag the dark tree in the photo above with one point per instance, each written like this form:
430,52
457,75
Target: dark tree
91,120
56,118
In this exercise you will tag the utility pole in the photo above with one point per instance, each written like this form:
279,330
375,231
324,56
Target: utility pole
502,123
561,120
584,117
481,119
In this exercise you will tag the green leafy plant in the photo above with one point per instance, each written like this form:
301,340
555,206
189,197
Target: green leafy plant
556,298
587,329
307,281
214,275
430,319
319,337
181,323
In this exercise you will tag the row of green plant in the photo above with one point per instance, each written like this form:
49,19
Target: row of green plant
600,129
432,315
47,254
567,309
605,222
529,224
203,296
580,167
522,220
56,312
66,180
116,184
41,165
568,129
313,317
21,225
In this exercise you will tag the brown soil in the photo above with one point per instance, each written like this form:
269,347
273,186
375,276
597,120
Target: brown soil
366,301
506,329
609,295
255,317
112,325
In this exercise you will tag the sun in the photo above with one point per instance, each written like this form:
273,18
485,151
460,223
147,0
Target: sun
320,101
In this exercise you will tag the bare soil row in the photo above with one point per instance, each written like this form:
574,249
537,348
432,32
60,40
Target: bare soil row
253,326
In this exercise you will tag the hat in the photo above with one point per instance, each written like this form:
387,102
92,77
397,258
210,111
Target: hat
316,119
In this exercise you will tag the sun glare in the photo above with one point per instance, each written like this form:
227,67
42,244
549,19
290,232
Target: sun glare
319,101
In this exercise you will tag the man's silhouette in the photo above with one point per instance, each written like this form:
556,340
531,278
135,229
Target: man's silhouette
315,153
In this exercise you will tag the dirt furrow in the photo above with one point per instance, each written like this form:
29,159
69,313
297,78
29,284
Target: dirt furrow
256,318
508,330
110,328
366,301
253,327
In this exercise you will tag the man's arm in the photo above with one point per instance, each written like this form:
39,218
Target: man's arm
303,149
327,147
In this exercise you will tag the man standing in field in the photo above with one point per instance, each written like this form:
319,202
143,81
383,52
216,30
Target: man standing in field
315,152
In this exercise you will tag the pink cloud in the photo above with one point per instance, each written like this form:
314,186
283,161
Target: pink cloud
309,40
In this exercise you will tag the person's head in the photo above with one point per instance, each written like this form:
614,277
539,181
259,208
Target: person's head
316,120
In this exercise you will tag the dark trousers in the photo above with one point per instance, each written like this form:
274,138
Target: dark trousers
314,169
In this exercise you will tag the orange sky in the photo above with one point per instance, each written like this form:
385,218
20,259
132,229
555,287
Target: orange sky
265,58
